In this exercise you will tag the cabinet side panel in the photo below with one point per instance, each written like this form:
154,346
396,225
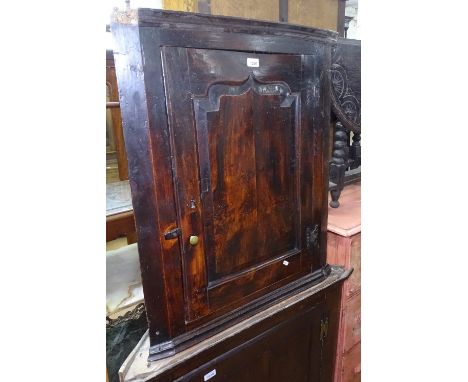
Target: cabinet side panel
129,71
151,185
162,164
317,90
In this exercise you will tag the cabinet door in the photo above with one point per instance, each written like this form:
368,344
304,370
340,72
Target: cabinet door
287,352
243,165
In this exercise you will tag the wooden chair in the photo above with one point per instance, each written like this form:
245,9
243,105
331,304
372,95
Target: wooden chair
346,107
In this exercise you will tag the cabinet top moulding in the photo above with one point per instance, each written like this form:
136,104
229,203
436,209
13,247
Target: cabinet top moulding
145,17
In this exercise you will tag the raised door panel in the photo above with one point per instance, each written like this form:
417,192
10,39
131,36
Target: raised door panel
249,177
237,136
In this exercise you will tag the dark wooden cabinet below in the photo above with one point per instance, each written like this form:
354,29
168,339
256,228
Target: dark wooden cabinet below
293,341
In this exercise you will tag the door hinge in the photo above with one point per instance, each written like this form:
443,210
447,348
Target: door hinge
172,234
312,234
323,329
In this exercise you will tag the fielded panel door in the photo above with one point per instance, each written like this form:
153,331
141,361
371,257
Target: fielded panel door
242,169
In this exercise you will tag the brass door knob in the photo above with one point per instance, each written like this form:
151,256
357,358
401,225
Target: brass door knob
193,240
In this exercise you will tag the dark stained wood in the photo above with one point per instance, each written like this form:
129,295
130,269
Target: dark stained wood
249,171
279,354
294,341
233,154
339,163
346,106
132,98
346,83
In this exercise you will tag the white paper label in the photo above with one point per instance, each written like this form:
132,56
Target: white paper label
209,375
253,62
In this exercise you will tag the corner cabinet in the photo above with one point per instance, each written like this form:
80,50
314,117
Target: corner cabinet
226,125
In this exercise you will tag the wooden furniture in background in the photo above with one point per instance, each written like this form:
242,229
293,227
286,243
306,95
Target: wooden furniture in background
293,341
345,165
228,160
121,225
346,83
344,248
346,105
120,221
113,108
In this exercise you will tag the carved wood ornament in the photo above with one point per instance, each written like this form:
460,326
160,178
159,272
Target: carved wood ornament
345,74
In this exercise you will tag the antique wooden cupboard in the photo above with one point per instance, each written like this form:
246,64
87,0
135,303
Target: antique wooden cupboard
292,341
226,125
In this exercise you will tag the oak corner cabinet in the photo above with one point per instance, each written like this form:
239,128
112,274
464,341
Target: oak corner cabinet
226,124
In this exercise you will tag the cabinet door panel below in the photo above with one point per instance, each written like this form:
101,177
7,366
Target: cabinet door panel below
283,353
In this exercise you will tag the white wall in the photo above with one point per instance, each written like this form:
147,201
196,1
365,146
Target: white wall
352,10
